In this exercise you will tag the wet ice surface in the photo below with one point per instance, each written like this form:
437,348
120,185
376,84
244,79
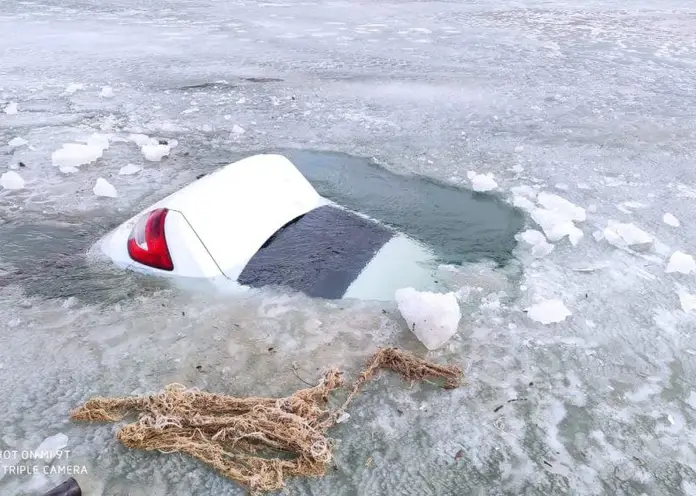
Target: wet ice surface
588,102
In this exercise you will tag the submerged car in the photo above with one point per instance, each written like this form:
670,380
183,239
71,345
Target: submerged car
258,222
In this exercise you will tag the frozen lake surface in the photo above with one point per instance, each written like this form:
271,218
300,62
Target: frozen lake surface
579,351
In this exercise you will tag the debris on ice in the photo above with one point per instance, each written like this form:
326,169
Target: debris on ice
12,108
237,129
107,92
17,142
671,220
104,188
432,317
74,87
681,262
540,247
11,180
548,312
482,182
49,447
129,169
155,152
627,235
72,155
686,300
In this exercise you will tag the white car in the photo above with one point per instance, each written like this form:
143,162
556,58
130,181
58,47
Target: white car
258,222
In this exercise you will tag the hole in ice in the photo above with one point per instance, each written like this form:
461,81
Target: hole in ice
459,224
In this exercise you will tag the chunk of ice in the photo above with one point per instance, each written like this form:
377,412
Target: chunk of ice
567,209
482,182
129,169
671,220
155,153
540,247
142,139
11,180
107,92
237,129
556,225
68,169
524,190
72,155
49,446
548,312
523,203
625,235
17,142
75,155
74,87
12,108
686,300
432,317
104,188
99,140
681,262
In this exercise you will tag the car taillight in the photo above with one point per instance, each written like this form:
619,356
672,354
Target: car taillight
147,243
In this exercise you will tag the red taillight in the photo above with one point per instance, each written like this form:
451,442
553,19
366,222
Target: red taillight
147,244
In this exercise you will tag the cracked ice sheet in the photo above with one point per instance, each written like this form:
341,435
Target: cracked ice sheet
406,93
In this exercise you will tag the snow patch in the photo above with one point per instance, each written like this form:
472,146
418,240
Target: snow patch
17,142
129,169
681,262
11,180
432,317
104,188
107,92
482,182
12,108
671,220
627,235
549,312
